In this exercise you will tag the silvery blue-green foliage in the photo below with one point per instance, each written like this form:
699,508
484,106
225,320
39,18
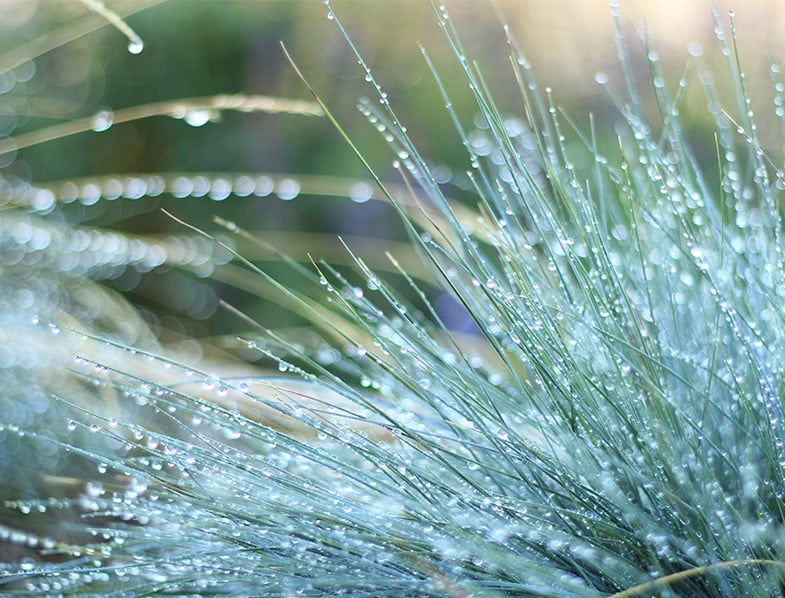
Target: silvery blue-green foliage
617,422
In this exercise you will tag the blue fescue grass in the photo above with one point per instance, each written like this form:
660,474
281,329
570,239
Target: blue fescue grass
613,425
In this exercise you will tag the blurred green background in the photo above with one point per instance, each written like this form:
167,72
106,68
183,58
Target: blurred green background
202,47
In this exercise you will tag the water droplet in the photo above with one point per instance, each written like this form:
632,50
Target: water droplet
360,192
71,425
264,186
287,189
220,189
94,489
695,49
90,193
243,186
601,78
182,187
198,118
135,46
103,121
135,488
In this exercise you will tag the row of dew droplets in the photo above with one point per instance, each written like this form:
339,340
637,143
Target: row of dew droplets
221,187
368,75
389,126
216,187
196,112
763,238
749,235
196,117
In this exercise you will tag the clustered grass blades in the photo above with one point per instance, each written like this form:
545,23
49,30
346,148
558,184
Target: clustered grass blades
613,424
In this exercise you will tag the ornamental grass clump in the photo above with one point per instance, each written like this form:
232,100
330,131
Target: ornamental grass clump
611,424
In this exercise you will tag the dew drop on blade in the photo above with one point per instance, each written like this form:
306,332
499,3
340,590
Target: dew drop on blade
135,46
103,121
197,118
